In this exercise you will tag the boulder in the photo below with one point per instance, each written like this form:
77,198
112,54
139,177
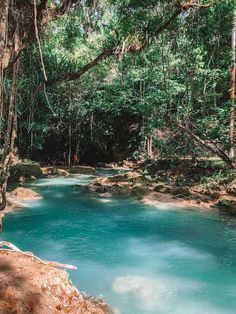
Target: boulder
46,170
24,194
21,179
60,172
24,171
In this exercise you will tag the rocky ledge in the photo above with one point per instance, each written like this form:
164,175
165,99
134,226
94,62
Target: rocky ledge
28,285
120,184
65,171
221,198
18,197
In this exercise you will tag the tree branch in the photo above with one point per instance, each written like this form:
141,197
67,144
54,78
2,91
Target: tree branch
76,75
212,147
118,50
196,5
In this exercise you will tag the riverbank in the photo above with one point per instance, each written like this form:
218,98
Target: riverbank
128,252
207,185
28,285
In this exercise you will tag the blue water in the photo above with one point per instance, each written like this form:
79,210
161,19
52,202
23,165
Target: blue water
141,259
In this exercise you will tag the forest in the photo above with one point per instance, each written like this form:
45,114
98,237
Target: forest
131,98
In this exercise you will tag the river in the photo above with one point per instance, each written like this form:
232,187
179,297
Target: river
141,259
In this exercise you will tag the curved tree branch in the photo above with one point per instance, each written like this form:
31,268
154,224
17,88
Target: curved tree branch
118,50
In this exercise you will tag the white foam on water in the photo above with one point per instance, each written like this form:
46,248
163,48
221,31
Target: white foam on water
154,294
104,201
58,195
168,250
80,179
179,250
199,308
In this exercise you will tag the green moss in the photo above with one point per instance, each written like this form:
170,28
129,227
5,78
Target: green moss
25,170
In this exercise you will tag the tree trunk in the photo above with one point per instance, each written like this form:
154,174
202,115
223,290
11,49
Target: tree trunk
69,146
232,96
212,147
149,146
9,137
4,6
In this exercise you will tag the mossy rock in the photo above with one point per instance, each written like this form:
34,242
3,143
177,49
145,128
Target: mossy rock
227,207
159,186
127,177
25,170
181,191
165,189
139,190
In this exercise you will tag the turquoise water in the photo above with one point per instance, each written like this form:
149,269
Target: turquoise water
141,259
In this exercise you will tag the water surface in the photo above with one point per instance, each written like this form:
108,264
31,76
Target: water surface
141,259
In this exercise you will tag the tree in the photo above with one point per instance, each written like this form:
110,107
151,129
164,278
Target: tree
232,96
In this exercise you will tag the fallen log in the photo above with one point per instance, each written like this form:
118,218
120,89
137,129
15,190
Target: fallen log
12,247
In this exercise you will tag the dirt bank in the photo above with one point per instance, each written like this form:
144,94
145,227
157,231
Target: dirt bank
29,286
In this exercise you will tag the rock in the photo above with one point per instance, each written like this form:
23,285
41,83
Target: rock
30,286
159,186
1,221
216,195
82,170
120,184
129,176
181,191
24,194
21,179
98,188
231,188
104,185
24,170
139,189
227,206
129,164
165,189
46,170
60,172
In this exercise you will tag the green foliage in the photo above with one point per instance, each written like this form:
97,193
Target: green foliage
182,77
25,170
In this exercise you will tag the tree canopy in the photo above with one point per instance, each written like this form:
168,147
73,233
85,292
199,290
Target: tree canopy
106,79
